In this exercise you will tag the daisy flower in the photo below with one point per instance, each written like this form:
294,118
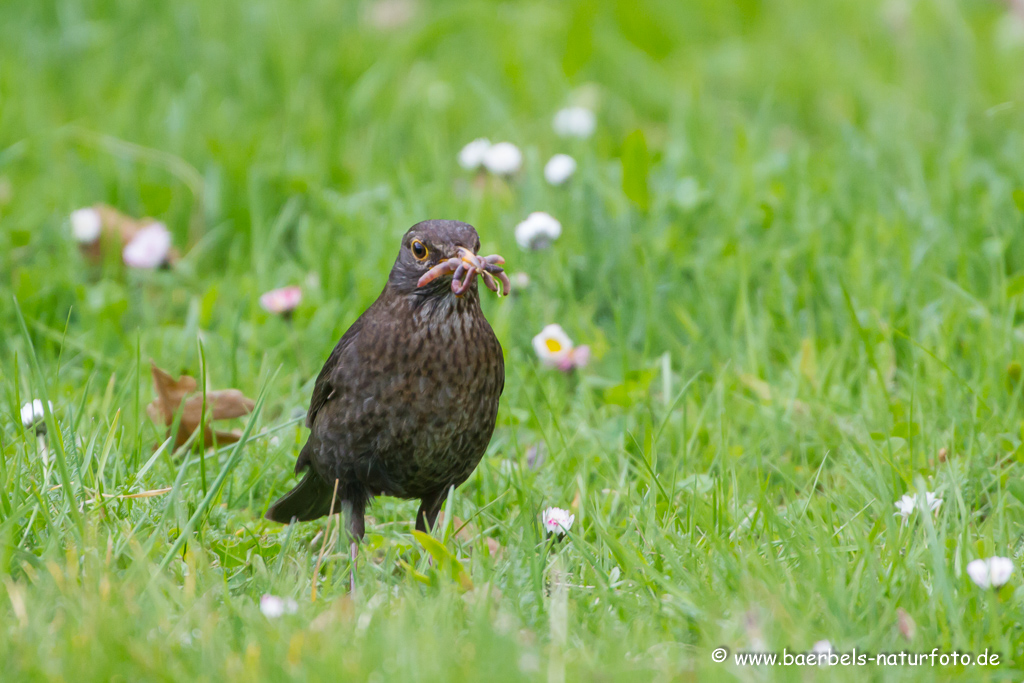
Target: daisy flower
86,225
552,345
520,281
503,158
281,301
579,357
559,169
538,231
149,248
992,572
273,606
555,349
574,122
557,521
471,157
32,413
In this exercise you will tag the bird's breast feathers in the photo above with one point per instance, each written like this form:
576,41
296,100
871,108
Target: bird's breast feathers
418,399
420,377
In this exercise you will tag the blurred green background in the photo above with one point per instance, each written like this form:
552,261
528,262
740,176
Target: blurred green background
795,245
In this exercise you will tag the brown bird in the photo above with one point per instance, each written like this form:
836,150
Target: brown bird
406,403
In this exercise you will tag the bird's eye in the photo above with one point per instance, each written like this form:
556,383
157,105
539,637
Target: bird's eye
419,250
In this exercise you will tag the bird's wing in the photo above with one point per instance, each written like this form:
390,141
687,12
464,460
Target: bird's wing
325,388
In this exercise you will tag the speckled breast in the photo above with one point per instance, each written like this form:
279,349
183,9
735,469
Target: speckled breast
453,377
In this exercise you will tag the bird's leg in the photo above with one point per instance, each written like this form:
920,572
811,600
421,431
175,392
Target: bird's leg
430,507
421,519
356,528
354,548
426,516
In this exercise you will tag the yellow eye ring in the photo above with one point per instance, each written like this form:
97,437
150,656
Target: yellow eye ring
419,250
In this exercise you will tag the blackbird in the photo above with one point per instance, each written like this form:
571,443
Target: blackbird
406,403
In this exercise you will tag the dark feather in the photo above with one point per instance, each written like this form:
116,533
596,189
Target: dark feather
323,390
311,499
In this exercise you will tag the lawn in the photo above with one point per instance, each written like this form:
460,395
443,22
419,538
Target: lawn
793,244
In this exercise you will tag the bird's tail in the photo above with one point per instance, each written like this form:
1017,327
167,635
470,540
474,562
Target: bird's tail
311,499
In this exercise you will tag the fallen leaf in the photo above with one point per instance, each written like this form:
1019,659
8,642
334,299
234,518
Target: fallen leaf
172,395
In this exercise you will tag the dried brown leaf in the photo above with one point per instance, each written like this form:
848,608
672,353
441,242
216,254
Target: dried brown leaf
173,395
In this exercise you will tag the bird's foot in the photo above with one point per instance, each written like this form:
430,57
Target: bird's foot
354,549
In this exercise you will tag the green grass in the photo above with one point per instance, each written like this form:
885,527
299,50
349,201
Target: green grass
800,281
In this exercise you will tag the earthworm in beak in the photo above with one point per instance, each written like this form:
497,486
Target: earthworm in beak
465,267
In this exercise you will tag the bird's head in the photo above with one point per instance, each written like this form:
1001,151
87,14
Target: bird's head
440,257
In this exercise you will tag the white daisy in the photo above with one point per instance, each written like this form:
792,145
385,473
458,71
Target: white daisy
149,248
520,281
32,413
503,158
538,231
472,156
574,122
557,521
552,345
992,572
555,349
559,169
273,606
86,225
